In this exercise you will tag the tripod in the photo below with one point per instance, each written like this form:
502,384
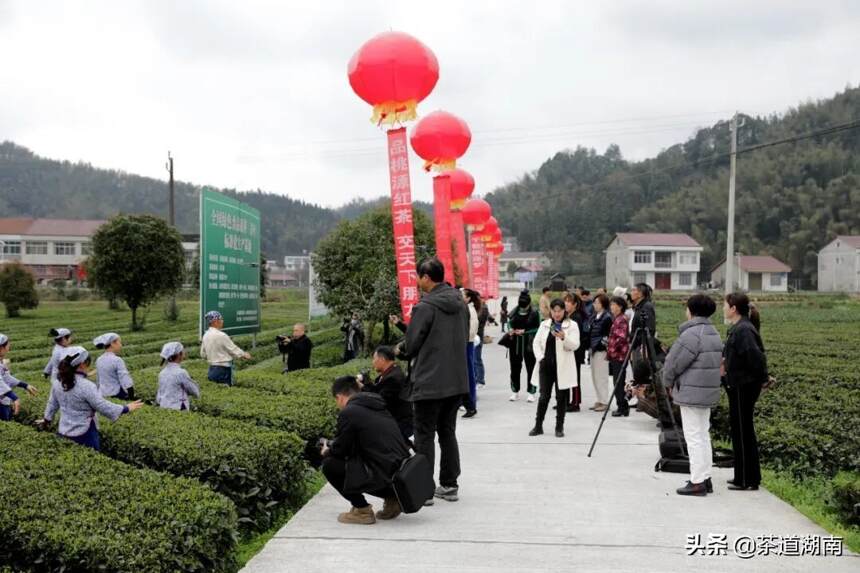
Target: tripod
659,390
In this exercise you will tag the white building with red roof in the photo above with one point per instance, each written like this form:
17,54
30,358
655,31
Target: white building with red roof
50,248
839,265
754,273
666,261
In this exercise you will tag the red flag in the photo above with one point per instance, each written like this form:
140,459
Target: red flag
441,216
458,238
401,218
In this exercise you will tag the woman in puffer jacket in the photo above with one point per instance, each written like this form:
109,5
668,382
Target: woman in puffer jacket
692,370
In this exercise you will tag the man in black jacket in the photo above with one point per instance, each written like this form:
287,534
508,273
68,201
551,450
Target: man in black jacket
298,349
644,314
364,454
436,344
391,385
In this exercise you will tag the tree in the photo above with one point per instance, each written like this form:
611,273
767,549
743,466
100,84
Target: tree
356,269
17,289
138,259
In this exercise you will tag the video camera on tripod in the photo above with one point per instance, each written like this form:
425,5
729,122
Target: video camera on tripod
647,362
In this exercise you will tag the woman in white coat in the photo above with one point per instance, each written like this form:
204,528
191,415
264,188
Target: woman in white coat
554,346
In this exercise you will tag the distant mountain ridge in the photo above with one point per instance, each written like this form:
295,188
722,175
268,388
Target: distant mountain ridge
33,186
792,199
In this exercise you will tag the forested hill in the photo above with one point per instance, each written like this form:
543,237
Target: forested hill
791,199
33,186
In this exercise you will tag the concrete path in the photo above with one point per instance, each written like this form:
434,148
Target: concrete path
539,504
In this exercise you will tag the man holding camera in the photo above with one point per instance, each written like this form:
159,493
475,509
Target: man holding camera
297,348
365,453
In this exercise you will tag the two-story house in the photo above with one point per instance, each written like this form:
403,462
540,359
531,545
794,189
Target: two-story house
666,261
50,248
839,265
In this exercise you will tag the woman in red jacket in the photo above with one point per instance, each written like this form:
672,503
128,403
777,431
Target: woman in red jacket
616,351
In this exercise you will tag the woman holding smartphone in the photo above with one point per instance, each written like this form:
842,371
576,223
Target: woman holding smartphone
555,348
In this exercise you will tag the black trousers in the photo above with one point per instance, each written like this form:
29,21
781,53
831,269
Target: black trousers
742,401
439,417
576,392
620,395
517,360
334,470
548,381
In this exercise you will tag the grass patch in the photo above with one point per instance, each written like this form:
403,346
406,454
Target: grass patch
810,497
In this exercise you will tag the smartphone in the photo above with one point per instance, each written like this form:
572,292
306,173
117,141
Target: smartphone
556,327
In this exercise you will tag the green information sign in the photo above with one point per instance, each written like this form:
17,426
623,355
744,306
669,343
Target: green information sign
229,262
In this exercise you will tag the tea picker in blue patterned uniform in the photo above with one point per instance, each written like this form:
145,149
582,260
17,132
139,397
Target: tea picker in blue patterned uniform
62,340
78,401
174,382
114,381
217,348
8,399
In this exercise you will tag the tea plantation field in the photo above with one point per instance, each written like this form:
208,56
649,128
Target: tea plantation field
808,425
171,491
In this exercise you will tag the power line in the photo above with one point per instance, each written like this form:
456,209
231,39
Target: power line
839,128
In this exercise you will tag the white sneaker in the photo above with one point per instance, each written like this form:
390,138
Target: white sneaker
531,398
514,397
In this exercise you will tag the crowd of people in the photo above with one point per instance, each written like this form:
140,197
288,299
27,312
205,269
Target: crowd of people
383,417
558,338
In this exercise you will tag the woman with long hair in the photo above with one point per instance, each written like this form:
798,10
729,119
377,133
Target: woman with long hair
78,400
575,312
600,325
745,371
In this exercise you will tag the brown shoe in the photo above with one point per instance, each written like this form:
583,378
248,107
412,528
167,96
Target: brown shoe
599,407
358,516
390,509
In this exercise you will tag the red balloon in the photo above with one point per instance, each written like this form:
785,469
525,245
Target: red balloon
393,72
476,212
462,185
440,138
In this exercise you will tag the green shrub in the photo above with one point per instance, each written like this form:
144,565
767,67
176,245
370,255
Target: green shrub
309,416
262,471
77,510
846,495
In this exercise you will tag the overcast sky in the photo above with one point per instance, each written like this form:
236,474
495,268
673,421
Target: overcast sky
254,94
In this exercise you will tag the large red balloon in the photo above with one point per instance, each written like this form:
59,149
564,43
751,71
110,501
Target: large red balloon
440,138
393,72
462,185
476,212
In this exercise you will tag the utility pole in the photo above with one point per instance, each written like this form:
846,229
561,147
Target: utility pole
172,208
730,235
173,311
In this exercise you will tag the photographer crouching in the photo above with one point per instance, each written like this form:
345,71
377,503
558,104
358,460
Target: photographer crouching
364,454
296,349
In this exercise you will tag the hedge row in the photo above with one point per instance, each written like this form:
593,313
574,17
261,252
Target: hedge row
261,470
308,415
70,509
803,426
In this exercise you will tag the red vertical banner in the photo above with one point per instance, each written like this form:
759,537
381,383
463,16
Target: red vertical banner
479,264
458,238
492,275
441,217
401,218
